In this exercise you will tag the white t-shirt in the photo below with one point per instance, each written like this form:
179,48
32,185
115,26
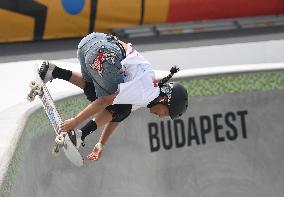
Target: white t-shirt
140,86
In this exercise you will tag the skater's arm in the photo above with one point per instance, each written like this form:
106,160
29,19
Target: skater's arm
98,149
93,108
96,106
108,130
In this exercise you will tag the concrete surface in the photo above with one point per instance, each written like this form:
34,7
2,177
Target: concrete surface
229,145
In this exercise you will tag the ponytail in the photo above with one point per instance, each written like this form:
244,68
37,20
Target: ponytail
173,70
163,91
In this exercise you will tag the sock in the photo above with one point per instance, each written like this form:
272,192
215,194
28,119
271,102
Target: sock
61,73
89,128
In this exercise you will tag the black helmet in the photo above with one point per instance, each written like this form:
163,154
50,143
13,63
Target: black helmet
177,98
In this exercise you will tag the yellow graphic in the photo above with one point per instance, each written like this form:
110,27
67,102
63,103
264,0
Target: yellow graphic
15,27
117,13
156,11
60,24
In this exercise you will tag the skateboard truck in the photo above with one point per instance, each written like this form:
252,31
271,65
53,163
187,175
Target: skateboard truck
59,141
35,90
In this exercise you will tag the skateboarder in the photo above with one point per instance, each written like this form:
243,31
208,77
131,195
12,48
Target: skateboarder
117,80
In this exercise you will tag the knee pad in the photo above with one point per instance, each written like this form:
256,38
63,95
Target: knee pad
119,112
90,91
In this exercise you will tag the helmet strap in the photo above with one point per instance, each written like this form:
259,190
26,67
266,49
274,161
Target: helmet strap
162,99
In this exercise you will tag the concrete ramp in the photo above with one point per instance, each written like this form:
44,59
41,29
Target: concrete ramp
224,146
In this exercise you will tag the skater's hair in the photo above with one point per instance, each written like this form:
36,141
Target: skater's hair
173,70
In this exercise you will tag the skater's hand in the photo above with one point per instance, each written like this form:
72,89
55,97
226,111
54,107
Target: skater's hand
68,125
96,153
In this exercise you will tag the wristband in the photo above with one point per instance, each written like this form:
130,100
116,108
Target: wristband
100,146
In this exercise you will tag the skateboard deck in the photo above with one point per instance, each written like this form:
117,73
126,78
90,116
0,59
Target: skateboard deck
62,139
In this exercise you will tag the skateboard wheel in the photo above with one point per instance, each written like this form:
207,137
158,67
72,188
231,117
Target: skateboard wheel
55,151
59,140
33,85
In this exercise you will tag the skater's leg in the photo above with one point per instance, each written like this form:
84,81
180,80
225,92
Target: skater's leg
113,113
99,120
77,79
50,71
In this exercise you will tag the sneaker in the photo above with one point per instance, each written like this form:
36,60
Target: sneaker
45,71
75,137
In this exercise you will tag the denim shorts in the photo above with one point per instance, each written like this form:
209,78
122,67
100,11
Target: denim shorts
100,56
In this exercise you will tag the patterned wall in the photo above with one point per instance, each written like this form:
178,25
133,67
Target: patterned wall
27,20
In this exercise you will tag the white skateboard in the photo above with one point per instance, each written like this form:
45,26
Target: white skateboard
63,139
